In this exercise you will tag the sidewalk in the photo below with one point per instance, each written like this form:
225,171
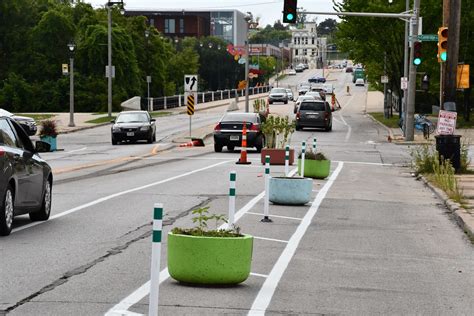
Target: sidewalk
464,214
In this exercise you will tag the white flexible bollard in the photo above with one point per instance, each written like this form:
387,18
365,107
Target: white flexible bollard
155,259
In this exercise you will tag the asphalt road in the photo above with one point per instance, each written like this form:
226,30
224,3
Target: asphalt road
374,241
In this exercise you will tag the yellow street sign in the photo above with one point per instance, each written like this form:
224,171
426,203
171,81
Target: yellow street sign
463,77
190,101
65,69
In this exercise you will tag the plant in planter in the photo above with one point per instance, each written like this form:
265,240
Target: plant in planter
49,132
201,256
259,106
277,131
316,165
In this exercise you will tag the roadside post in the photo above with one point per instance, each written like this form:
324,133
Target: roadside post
155,259
191,98
231,220
266,205
314,144
303,149
287,159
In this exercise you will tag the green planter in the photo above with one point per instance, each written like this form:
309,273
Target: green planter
209,260
318,169
51,140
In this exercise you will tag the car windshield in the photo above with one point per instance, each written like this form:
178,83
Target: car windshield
306,98
240,117
289,91
132,118
312,106
5,113
278,90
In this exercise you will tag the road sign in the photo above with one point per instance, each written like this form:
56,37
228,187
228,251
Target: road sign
424,38
384,79
148,79
107,71
65,68
446,122
404,83
190,83
191,99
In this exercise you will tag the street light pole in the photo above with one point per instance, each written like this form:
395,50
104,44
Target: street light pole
71,47
248,19
148,76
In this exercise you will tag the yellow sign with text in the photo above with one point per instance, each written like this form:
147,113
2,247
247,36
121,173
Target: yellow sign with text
462,77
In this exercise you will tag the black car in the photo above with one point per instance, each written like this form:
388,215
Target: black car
25,179
314,114
133,126
28,124
228,132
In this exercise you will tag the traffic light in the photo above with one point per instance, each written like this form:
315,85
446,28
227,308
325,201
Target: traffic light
289,11
442,44
425,82
417,53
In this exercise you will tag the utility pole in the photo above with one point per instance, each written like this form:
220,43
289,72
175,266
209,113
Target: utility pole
403,111
385,103
109,57
453,50
410,133
442,66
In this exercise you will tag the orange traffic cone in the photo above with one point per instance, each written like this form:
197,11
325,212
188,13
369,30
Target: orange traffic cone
243,151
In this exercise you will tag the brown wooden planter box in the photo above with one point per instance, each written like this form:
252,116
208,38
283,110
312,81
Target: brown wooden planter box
277,156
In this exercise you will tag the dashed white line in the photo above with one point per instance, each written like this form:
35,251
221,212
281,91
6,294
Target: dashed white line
271,239
277,216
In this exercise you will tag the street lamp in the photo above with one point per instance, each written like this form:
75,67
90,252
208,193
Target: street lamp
109,5
148,76
248,20
72,47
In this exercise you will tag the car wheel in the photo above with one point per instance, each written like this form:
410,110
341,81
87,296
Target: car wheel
150,139
217,148
286,102
259,144
230,147
43,213
154,137
298,128
6,212
270,102
329,128
114,141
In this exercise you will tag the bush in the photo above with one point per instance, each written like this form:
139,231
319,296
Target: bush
48,128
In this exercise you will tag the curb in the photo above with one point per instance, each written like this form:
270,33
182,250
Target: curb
84,128
462,217
389,130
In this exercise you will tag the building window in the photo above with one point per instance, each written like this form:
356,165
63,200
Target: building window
294,40
170,26
312,40
305,52
314,52
181,25
152,22
296,52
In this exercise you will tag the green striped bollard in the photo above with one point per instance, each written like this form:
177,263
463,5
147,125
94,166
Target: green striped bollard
155,259
314,145
287,159
233,177
266,205
303,149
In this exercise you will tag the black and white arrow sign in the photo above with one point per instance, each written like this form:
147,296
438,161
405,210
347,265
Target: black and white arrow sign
190,83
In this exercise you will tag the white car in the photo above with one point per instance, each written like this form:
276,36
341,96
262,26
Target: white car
360,82
329,88
292,72
290,94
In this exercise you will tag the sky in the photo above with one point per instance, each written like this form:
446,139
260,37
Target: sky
268,10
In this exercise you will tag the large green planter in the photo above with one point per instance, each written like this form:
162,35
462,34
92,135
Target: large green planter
209,260
318,169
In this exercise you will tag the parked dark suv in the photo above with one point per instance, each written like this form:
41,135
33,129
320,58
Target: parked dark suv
314,114
25,179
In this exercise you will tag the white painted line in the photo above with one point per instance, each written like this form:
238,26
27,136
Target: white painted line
271,239
265,294
259,275
277,216
109,197
75,150
366,163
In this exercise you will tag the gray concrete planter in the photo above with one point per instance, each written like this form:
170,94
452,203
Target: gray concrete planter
290,190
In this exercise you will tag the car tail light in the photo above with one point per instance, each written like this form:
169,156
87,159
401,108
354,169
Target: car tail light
254,127
218,127
2,152
298,115
326,115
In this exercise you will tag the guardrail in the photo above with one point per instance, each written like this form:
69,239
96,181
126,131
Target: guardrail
163,103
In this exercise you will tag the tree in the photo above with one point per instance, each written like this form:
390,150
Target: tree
327,27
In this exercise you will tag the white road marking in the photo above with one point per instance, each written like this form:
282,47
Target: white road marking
259,275
366,163
277,216
109,197
75,150
271,239
144,290
265,294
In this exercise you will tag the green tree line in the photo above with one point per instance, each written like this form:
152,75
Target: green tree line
367,40
34,35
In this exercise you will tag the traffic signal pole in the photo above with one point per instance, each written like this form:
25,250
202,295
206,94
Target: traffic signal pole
410,126
453,50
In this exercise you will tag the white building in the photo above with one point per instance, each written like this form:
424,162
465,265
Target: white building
306,47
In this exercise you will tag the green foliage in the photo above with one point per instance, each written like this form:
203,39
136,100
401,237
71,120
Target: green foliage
312,155
277,131
202,218
48,128
391,122
270,35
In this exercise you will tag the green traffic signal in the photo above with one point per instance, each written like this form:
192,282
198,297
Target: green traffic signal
290,16
444,56
417,61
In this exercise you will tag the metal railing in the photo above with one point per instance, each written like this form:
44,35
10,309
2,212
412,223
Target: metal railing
168,102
